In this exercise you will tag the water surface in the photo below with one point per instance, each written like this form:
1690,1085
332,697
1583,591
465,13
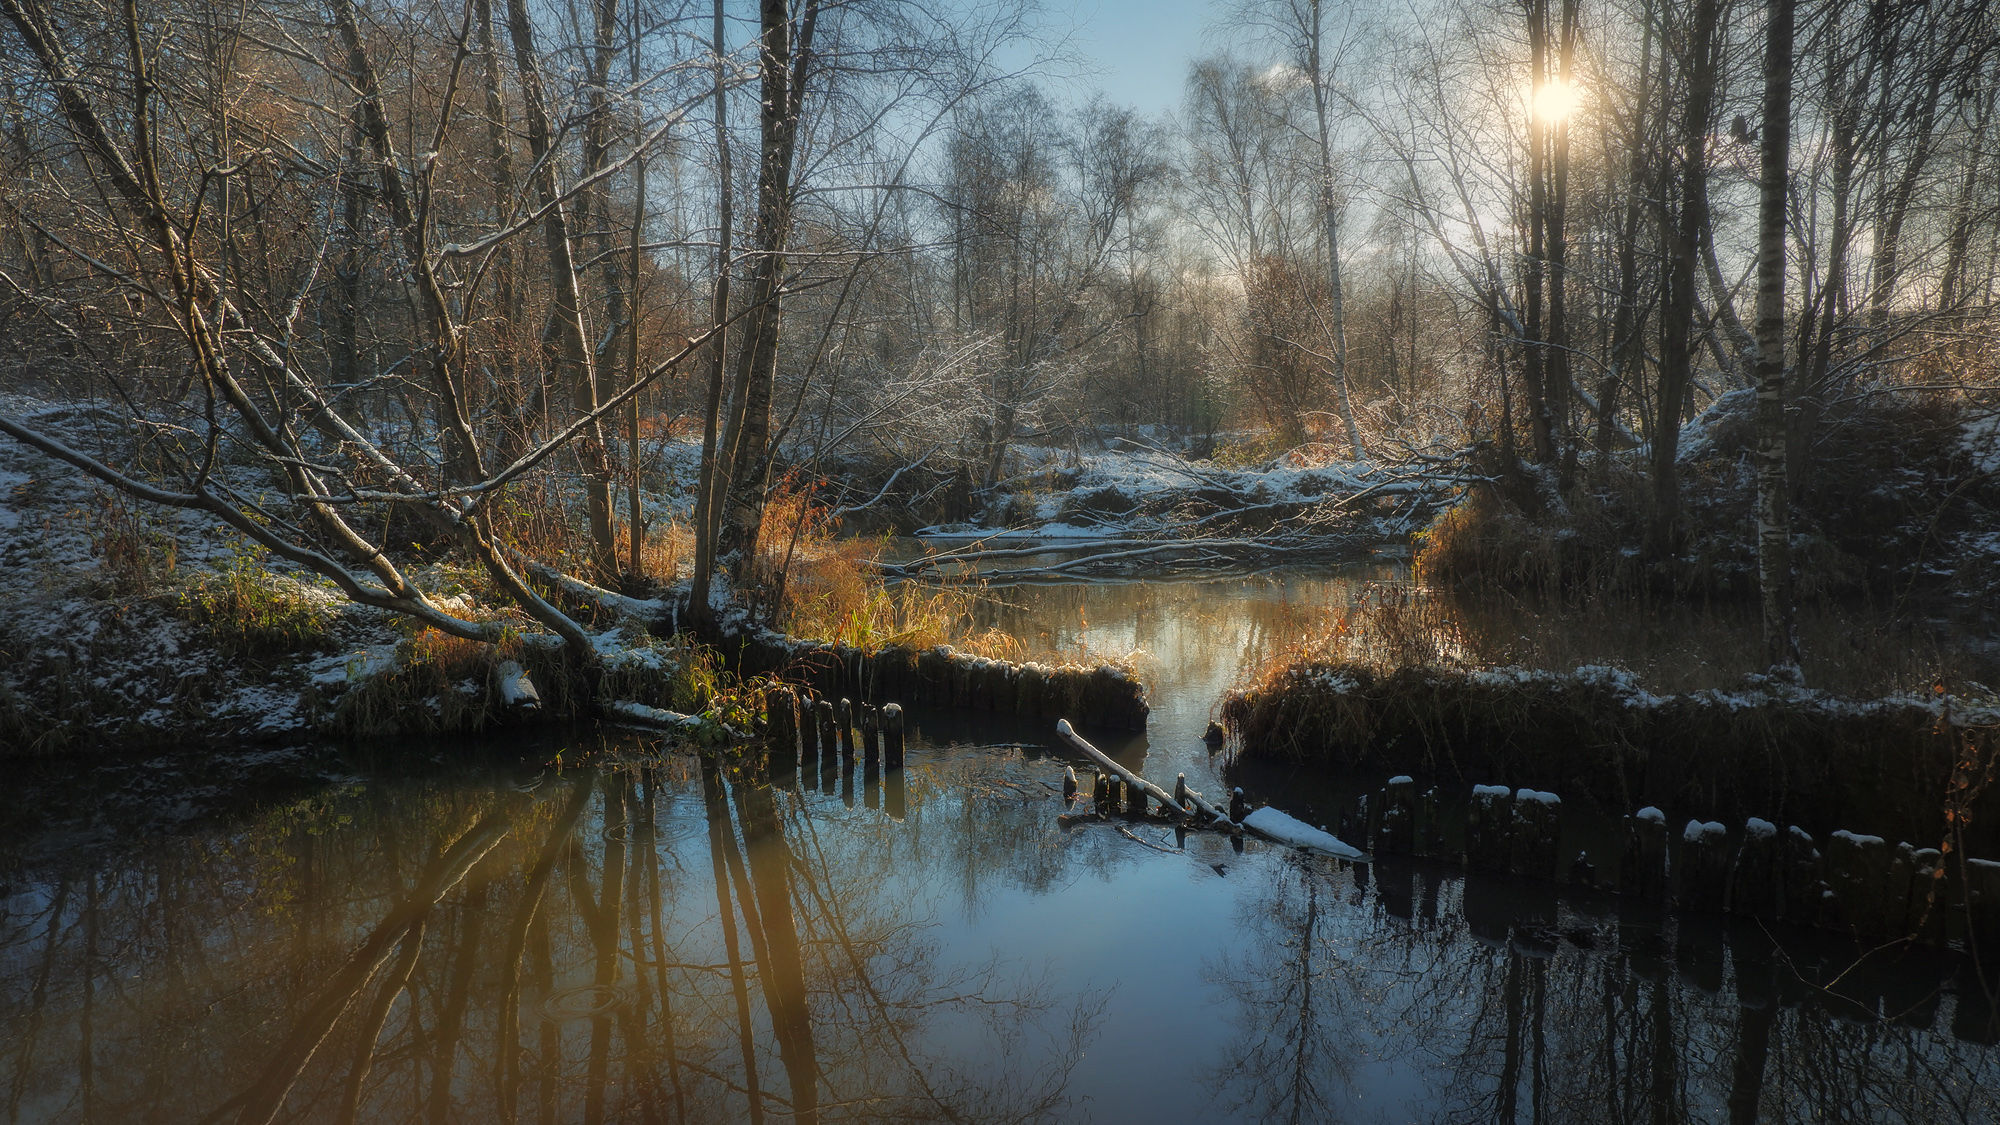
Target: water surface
589,926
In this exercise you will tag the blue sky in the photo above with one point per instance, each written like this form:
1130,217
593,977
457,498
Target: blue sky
1140,49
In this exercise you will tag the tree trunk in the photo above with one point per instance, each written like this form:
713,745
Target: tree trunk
786,53
1329,200
1683,234
573,337
1774,530
1557,218
714,479
1628,322
1534,356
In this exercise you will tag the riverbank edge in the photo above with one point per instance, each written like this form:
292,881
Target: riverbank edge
1901,766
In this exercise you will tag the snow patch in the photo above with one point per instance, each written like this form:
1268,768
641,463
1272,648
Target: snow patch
1285,829
1698,831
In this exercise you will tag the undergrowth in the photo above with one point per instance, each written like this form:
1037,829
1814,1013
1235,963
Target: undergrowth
828,587
1885,491
246,610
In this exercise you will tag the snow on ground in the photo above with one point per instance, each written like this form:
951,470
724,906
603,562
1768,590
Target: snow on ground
1106,495
114,641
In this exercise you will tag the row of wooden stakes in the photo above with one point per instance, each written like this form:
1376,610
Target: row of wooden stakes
1858,884
942,677
822,727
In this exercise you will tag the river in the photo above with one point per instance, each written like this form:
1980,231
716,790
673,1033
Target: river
578,925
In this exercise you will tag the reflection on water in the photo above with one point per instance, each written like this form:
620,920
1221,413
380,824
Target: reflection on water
669,941
653,937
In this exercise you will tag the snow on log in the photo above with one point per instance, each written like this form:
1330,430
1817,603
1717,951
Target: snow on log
1274,825
516,689
650,716
1165,799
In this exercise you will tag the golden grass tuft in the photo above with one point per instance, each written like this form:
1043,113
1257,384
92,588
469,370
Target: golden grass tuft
829,588
247,610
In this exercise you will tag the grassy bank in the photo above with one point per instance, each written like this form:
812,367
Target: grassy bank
1891,765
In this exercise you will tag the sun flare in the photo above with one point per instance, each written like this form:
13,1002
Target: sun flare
1554,101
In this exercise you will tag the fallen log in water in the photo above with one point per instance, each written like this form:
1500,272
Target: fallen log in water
1274,826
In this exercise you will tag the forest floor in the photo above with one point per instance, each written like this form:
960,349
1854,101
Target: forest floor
126,624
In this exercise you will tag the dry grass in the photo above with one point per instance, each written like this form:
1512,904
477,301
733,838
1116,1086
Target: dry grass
1671,647
664,549
536,517
828,588
136,559
247,610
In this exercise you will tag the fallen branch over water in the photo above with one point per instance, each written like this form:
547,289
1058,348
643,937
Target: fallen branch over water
1266,823
1167,803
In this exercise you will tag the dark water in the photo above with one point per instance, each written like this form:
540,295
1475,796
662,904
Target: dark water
614,933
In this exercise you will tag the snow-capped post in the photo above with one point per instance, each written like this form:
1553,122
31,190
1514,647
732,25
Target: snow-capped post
1537,833
1135,799
1100,791
1180,791
1069,784
843,717
1239,805
1489,822
1871,884
1755,879
892,737
1703,870
1642,871
1395,833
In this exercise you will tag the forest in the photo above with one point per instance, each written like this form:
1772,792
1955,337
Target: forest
350,280
651,561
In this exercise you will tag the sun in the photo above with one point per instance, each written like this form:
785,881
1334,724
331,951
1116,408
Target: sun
1554,101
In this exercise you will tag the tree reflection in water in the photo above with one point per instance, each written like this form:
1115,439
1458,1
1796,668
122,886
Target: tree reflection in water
451,952
1516,1011
673,940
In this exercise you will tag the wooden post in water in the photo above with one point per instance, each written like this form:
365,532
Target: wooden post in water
1537,834
1489,822
871,726
807,721
1702,872
1756,877
892,735
781,719
1642,870
843,715
1100,792
1396,832
824,713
